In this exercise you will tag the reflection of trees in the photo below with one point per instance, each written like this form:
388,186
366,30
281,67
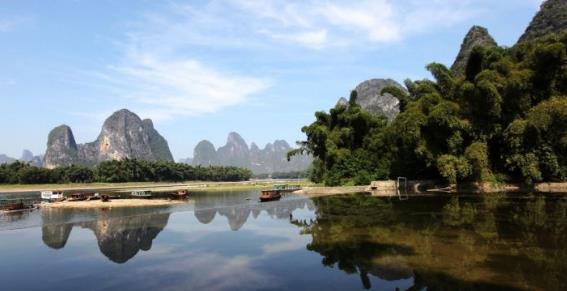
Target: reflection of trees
444,243
231,206
120,233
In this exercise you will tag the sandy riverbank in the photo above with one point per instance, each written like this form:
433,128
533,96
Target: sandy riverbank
151,186
114,203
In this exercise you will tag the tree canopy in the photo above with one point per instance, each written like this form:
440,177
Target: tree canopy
506,118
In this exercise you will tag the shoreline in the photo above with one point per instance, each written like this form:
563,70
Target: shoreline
200,186
117,203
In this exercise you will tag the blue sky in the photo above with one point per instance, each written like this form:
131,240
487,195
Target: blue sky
201,69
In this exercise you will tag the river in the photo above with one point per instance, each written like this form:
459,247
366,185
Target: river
229,241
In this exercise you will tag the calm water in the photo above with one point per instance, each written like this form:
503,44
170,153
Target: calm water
225,242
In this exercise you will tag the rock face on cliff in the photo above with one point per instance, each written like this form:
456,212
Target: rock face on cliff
62,150
123,135
273,158
476,36
205,154
552,17
235,152
369,97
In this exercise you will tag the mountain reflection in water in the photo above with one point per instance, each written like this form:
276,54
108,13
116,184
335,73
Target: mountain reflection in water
122,232
230,206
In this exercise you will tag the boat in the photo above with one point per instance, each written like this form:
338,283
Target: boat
12,204
52,196
78,197
95,196
141,194
181,194
270,195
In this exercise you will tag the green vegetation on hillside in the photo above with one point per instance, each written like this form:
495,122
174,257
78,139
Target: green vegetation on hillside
506,118
120,171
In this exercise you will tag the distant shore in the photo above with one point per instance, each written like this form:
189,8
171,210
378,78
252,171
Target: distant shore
152,186
118,203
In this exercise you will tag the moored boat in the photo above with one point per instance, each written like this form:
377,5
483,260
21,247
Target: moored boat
52,196
270,195
141,194
78,197
181,194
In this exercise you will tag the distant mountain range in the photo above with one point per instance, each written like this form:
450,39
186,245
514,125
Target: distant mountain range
236,152
27,157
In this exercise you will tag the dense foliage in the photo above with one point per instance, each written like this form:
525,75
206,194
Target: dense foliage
505,118
119,171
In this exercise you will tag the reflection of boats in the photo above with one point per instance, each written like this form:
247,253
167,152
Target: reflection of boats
270,195
141,194
11,204
52,195
286,187
181,194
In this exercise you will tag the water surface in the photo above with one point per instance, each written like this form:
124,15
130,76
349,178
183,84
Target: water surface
229,241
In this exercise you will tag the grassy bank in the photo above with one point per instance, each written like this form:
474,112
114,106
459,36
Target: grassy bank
153,186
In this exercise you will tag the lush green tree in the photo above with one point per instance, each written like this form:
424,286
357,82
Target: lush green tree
505,116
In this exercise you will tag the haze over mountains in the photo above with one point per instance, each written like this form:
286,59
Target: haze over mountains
236,152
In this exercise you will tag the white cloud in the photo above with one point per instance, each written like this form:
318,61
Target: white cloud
184,86
169,69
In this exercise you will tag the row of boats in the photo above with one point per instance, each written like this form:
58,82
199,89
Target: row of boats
55,196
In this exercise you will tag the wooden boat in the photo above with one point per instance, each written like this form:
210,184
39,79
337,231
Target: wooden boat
12,204
95,196
270,195
78,197
141,194
181,194
52,196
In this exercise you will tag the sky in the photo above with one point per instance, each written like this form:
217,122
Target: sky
201,69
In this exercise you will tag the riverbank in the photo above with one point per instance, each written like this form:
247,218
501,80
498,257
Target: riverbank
117,203
428,187
153,186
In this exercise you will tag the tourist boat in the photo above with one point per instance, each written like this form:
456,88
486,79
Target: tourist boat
12,204
78,197
52,196
141,194
270,195
181,194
